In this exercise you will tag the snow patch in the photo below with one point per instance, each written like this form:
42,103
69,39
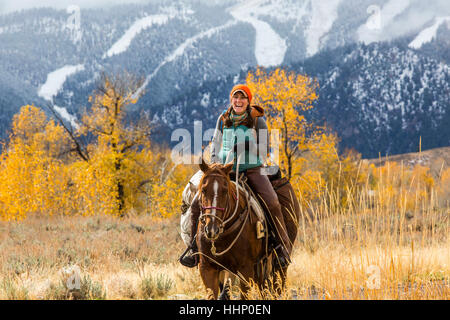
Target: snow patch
236,79
280,10
205,100
66,115
138,26
270,48
428,34
54,83
316,17
323,15
56,79
179,51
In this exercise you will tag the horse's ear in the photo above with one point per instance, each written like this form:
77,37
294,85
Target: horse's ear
192,187
203,165
227,168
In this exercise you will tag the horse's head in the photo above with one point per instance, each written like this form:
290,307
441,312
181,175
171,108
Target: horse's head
215,191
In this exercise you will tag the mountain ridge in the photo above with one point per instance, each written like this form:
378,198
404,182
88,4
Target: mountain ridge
191,47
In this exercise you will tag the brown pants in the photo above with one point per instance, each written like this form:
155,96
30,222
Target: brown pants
262,186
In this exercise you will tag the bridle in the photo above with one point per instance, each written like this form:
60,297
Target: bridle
203,215
222,224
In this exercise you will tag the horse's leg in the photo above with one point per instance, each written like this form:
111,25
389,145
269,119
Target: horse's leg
225,286
249,275
263,272
210,278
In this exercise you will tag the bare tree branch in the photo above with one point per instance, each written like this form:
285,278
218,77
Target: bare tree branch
78,148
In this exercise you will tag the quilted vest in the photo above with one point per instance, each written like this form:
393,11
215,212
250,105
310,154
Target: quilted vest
235,135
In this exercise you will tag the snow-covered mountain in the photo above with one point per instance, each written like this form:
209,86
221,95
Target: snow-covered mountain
178,47
381,97
384,97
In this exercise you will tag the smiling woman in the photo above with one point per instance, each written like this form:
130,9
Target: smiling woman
237,129
270,48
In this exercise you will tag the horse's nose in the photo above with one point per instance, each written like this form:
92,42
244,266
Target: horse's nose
211,231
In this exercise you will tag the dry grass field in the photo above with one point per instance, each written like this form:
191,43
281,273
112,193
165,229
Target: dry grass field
385,243
369,254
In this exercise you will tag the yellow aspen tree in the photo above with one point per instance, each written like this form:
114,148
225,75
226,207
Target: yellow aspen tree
285,97
120,155
32,167
168,184
444,187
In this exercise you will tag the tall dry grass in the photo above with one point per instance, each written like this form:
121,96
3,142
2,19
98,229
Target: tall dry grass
130,258
389,241
377,246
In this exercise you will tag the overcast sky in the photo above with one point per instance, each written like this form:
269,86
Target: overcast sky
14,5
7,6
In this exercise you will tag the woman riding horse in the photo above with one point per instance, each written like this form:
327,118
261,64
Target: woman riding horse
233,126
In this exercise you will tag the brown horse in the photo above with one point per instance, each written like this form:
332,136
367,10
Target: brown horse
227,233
227,237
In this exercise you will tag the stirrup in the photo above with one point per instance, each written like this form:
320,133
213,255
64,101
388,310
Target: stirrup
190,260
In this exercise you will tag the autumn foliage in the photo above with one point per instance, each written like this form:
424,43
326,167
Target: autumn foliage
32,168
47,168
285,97
309,155
356,216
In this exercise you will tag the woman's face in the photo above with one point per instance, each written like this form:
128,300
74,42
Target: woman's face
239,103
